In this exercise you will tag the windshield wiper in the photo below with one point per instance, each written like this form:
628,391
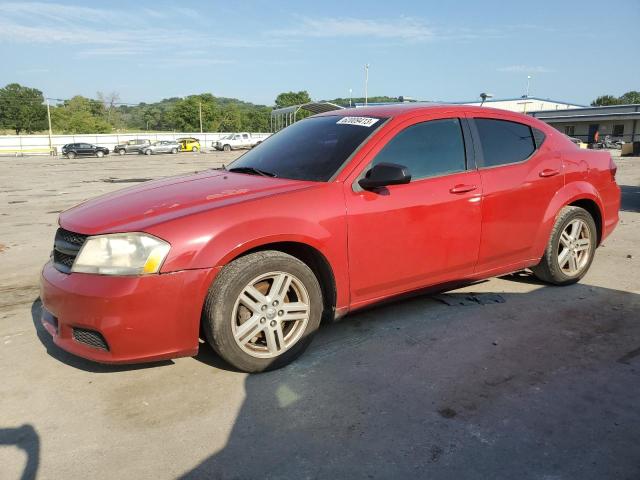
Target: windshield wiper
252,171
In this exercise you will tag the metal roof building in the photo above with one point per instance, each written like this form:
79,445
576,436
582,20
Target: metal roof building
618,121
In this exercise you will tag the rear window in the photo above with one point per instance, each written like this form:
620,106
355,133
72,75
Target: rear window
504,142
312,149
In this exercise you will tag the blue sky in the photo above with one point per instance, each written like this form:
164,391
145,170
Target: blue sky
430,50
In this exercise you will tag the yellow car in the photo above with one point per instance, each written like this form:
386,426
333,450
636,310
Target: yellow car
189,144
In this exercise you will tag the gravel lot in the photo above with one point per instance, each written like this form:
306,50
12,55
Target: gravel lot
543,386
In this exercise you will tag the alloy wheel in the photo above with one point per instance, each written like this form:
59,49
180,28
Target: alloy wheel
270,314
574,248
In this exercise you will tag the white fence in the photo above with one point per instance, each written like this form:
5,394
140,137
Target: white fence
39,144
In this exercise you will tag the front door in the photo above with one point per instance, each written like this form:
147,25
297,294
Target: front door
404,237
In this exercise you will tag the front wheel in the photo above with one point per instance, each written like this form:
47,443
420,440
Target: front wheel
262,311
71,155
122,151
194,149
174,150
227,148
571,248
148,152
99,154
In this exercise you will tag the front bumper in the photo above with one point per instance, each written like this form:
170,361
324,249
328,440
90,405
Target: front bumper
141,319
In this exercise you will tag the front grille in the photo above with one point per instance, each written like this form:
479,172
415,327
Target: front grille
90,337
65,249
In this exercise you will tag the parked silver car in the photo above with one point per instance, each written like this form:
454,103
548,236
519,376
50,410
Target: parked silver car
161,146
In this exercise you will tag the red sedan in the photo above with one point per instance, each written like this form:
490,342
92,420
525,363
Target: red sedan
336,212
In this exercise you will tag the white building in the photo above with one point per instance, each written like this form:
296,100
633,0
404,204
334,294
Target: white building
524,104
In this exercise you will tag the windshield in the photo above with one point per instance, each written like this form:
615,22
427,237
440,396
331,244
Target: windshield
311,149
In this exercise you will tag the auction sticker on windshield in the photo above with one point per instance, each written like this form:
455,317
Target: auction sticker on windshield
361,121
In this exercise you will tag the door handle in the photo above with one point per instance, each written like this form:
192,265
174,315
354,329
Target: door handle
549,172
462,188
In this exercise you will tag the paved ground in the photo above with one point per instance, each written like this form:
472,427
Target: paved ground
542,386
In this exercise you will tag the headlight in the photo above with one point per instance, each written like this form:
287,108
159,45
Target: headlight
121,254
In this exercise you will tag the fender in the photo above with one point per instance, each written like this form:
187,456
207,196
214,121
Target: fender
570,193
224,247
211,239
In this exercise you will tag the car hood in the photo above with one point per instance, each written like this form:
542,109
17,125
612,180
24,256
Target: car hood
142,206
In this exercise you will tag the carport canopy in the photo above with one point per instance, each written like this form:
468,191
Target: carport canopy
283,117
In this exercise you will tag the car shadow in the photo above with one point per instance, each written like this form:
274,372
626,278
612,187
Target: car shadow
630,198
24,438
419,389
78,362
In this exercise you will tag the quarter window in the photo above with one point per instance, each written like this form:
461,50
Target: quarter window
427,149
504,142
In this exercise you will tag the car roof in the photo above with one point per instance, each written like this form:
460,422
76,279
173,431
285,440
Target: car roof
411,109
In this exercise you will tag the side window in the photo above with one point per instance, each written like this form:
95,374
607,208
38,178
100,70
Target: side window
427,149
245,136
504,142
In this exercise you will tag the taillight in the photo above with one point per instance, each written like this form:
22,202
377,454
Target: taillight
613,168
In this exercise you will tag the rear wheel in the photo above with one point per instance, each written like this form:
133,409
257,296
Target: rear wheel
262,311
571,248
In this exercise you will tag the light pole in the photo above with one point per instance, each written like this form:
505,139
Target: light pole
350,95
366,83
50,132
528,84
200,108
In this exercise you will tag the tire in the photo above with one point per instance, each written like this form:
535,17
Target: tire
174,150
148,152
99,154
72,155
226,148
556,267
223,311
122,151
194,149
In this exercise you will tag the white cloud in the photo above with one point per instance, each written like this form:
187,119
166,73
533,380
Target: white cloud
524,69
403,28
101,32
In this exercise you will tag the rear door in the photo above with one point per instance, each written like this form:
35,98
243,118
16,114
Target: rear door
520,175
85,149
404,237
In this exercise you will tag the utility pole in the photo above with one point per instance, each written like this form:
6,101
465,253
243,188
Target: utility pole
350,95
366,83
49,120
200,104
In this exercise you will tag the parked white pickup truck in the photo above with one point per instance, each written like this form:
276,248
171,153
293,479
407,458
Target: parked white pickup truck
236,141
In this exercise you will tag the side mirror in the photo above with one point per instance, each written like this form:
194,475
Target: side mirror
384,174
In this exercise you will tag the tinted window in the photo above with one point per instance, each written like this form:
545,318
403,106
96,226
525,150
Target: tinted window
504,142
427,149
311,149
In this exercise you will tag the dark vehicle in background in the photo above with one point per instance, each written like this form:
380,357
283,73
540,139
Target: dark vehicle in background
132,146
162,146
73,150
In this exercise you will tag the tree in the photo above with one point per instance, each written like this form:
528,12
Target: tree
605,100
22,109
80,115
630,97
287,99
